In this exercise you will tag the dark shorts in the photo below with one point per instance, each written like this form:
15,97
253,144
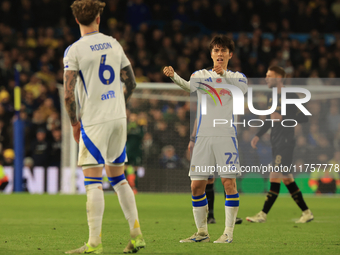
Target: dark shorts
283,156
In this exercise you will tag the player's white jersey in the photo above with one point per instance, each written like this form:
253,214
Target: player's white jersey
204,82
98,59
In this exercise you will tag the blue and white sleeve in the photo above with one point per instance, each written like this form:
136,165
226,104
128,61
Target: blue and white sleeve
70,59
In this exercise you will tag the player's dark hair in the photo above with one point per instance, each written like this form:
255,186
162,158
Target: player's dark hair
222,41
278,70
85,11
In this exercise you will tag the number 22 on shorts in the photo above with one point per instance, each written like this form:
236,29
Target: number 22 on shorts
230,155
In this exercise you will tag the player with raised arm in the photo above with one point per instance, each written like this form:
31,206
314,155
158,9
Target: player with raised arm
209,190
96,66
283,143
211,147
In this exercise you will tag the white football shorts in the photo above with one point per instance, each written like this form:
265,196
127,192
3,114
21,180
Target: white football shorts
103,143
215,156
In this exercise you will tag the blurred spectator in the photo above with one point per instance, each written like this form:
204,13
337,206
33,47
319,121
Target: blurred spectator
38,122
55,151
313,135
30,104
140,76
181,140
53,121
336,8
40,149
46,109
137,13
28,162
314,79
6,14
333,119
134,140
150,151
323,147
170,114
302,150
4,137
33,86
8,156
169,159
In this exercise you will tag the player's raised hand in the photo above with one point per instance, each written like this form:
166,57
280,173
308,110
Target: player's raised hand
254,142
218,69
76,131
169,71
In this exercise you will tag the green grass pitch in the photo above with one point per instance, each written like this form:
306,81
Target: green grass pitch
53,224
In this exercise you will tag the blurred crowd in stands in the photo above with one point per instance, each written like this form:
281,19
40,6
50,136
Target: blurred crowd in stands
302,36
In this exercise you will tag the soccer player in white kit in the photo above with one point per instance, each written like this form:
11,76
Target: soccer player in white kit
97,66
215,146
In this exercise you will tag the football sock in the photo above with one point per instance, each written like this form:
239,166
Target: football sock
232,203
95,209
271,196
209,191
297,195
200,209
127,203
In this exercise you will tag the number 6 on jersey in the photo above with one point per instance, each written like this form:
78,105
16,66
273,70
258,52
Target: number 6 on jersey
103,68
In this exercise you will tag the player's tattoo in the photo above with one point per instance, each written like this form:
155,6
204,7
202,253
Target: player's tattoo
70,78
127,76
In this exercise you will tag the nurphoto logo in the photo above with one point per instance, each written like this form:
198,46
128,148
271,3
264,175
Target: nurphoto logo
238,103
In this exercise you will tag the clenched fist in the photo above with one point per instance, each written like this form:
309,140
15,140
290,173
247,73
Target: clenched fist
218,69
169,71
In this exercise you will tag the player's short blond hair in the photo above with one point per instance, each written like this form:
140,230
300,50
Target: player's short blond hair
85,11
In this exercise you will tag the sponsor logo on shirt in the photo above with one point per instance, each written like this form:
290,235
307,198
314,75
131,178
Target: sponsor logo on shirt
211,92
108,95
243,80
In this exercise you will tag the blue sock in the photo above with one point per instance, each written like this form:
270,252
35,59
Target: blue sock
232,200
199,200
117,179
92,180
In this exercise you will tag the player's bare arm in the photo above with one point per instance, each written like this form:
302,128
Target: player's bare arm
169,71
127,76
254,142
70,79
